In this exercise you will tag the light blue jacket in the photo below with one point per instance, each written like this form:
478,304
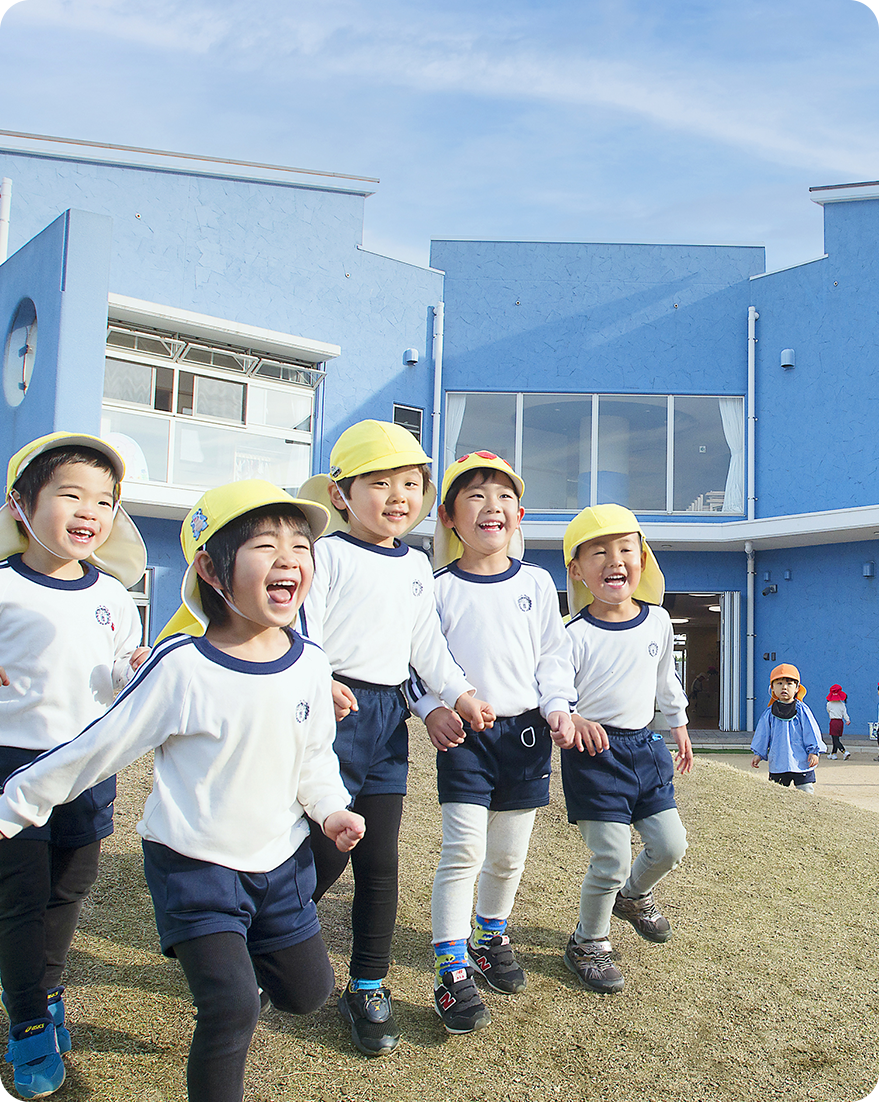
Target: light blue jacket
787,743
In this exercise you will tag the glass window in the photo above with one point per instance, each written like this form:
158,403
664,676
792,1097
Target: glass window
222,454
128,382
219,398
709,443
288,409
142,440
410,418
632,446
477,422
557,450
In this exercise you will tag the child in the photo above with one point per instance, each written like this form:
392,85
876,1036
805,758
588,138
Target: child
787,735
240,716
501,619
623,644
836,709
372,609
69,638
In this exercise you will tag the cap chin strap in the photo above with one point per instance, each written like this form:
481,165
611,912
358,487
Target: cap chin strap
237,610
347,503
15,498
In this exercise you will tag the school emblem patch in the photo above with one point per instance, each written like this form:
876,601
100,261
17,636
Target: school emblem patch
198,524
524,603
417,588
102,614
653,650
302,710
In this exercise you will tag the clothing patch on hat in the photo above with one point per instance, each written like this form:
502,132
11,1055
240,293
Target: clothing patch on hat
198,524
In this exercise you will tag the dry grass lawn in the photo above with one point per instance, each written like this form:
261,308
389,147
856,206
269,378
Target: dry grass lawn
767,991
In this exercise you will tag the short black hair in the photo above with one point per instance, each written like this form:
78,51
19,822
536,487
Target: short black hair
40,471
345,484
223,548
469,478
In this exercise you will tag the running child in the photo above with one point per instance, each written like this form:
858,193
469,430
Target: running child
622,775
69,639
501,619
238,710
787,734
838,714
372,609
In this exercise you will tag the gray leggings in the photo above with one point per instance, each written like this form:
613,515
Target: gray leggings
611,868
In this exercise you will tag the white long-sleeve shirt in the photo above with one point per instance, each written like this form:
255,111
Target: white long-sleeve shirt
507,633
372,610
241,748
836,710
65,646
622,668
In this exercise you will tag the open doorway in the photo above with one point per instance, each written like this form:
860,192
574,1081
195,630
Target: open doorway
697,621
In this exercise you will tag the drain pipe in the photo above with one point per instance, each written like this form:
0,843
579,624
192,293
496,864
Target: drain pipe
752,415
436,416
749,645
5,204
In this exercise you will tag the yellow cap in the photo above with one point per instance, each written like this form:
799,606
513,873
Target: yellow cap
447,547
213,511
785,670
123,553
609,520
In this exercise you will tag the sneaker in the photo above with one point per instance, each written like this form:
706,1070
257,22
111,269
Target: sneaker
831,757
644,915
497,965
457,1001
56,1013
846,755
592,966
373,1029
33,1052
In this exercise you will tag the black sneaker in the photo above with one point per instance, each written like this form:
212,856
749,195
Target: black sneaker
457,1002
592,965
644,915
497,965
373,1029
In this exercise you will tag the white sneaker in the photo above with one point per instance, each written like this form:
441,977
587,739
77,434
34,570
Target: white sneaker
846,755
832,757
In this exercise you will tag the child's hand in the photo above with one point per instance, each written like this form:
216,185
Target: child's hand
755,761
589,736
561,729
813,760
444,728
684,756
344,701
4,680
138,657
345,828
475,712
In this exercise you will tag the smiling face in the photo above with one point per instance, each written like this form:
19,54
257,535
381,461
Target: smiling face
72,517
271,576
485,513
785,688
610,567
382,505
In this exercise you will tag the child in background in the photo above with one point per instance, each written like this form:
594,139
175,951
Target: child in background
623,644
787,734
372,609
836,709
69,639
239,712
501,619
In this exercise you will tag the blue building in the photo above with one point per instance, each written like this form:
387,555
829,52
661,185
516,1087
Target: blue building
157,300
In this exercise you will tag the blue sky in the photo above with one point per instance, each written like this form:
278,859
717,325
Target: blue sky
575,120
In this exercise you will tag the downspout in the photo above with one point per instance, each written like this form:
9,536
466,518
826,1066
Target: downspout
749,648
752,499
436,416
5,204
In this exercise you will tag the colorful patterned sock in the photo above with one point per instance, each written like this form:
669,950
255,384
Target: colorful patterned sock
487,928
450,954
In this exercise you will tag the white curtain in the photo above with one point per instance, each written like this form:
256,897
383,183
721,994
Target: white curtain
731,410
455,406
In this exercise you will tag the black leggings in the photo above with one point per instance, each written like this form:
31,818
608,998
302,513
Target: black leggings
374,862
223,979
42,888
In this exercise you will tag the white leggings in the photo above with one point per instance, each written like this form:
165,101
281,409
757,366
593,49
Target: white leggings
611,868
490,845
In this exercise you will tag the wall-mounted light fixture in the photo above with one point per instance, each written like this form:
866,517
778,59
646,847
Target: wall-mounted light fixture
787,575
868,570
410,357
788,359
770,589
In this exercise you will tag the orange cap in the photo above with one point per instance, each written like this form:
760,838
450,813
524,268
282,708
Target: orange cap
788,671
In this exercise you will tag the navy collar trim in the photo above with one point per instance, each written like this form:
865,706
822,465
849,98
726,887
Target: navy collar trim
613,625
485,579
240,665
88,579
397,551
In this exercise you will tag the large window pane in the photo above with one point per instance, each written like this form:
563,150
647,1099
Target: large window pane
142,441
556,450
128,382
289,409
218,398
208,455
631,452
709,441
480,422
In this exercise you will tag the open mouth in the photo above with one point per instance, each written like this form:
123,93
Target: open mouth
81,535
282,593
615,580
491,526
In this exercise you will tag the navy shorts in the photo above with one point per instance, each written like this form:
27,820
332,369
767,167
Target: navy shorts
372,744
504,768
84,820
797,778
631,780
271,910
